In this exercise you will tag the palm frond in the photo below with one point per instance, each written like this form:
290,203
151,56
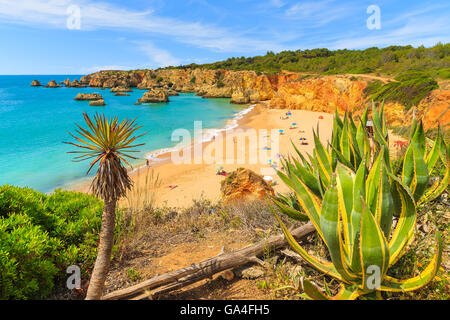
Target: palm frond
108,143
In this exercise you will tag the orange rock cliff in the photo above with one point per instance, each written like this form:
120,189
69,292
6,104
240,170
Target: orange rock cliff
283,91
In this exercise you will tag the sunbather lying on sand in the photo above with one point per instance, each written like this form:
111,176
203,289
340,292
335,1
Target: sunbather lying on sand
303,141
222,173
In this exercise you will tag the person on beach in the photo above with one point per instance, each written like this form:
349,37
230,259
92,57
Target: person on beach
221,173
147,163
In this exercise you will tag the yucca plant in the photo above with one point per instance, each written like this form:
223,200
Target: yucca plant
107,143
354,219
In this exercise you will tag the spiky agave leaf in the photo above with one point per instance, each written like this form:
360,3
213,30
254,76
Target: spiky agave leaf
107,143
350,195
439,152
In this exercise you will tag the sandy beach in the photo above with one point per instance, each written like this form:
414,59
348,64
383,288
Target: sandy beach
180,184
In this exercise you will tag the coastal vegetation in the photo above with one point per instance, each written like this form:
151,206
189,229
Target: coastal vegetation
366,205
40,235
390,61
408,89
107,143
63,227
352,194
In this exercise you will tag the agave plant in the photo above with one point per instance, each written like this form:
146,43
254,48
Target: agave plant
350,145
419,161
351,181
107,143
354,219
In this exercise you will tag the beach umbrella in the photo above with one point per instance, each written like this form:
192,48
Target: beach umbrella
294,124
280,131
217,168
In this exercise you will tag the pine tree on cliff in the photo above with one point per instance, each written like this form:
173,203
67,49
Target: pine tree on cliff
108,143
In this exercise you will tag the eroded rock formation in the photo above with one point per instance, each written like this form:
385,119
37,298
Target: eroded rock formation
320,94
36,83
97,103
286,90
435,109
75,83
244,184
52,84
171,92
121,89
88,96
154,96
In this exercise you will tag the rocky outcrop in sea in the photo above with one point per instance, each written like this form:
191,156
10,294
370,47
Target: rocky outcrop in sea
88,97
36,83
121,89
52,84
97,103
155,95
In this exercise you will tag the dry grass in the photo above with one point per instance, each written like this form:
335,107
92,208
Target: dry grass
155,228
150,233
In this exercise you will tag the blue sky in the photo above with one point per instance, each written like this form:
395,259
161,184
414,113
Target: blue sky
35,38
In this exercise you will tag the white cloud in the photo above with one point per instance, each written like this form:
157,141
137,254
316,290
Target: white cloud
158,57
314,14
100,15
307,8
277,3
416,30
291,27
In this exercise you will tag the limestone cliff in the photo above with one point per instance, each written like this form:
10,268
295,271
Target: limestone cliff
285,90
320,94
435,109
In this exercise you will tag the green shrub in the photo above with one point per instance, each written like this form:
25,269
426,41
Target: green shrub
389,60
27,271
373,87
41,235
409,89
444,73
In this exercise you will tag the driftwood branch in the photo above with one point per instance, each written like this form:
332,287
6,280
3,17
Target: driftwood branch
207,268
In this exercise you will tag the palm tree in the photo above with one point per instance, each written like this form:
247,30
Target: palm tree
108,143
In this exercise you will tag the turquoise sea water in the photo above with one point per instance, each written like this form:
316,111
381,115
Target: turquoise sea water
34,121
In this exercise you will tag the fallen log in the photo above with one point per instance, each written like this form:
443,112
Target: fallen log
208,268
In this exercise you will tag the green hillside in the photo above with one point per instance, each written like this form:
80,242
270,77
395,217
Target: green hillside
390,60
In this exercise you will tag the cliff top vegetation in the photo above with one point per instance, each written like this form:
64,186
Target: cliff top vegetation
389,61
